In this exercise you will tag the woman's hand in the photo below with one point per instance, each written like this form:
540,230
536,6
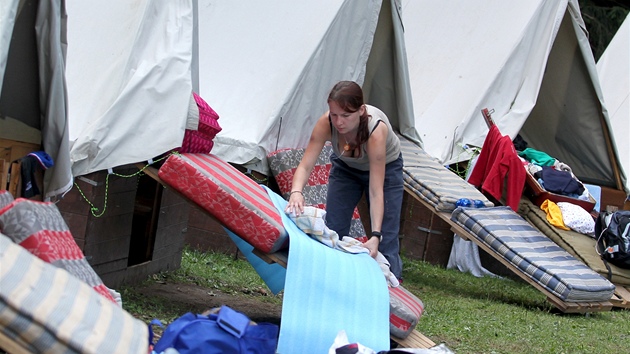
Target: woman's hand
296,203
372,246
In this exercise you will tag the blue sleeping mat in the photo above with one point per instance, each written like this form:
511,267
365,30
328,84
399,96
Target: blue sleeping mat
540,259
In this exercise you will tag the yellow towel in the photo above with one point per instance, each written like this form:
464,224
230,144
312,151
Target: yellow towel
554,214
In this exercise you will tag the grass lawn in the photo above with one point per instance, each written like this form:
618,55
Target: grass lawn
469,314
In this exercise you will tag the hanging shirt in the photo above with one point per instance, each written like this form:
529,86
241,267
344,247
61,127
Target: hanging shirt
497,160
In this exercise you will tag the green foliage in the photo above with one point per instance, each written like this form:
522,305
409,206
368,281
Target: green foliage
602,22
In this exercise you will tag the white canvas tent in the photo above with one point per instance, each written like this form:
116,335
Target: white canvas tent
129,80
33,102
613,68
267,68
529,61
113,85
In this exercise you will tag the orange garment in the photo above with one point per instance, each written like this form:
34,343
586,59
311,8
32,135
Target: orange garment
554,214
497,160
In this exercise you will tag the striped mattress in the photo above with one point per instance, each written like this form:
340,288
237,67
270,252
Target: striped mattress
433,182
45,309
234,199
283,164
540,259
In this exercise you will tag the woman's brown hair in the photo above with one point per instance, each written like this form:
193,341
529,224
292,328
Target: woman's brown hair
349,96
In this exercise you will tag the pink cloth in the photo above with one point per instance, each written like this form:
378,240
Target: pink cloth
201,140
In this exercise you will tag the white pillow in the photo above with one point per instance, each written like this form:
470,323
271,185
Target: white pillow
576,218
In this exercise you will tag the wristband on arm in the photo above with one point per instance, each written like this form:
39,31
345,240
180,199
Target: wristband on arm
377,234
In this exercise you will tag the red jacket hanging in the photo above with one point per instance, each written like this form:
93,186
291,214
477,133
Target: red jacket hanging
497,160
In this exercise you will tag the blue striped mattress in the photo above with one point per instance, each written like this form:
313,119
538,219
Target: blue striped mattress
434,183
540,259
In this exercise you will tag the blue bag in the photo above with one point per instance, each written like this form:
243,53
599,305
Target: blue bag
228,331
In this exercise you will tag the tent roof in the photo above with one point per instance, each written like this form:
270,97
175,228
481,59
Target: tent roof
528,61
129,80
268,70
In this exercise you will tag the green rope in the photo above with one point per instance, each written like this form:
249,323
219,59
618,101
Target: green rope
264,180
93,209
463,173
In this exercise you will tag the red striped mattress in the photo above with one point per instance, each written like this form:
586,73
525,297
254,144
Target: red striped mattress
40,229
405,310
234,199
283,164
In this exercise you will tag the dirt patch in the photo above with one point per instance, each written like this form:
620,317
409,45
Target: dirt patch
199,299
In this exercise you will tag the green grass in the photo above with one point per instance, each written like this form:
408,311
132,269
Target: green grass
213,271
490,315
469,314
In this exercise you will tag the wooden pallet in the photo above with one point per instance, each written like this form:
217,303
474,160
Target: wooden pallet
566,307
621,298
415,338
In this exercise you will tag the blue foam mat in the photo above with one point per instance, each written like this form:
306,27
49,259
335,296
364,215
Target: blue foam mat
327,291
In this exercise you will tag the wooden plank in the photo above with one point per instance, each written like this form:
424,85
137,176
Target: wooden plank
11,150
277,257
15,178
414,340
4,174
566,307
622,297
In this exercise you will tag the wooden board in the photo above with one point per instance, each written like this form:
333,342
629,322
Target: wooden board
15,179
621,298
414,340
4,174
11,150
566,307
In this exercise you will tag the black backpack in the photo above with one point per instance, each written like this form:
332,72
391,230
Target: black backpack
613,238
